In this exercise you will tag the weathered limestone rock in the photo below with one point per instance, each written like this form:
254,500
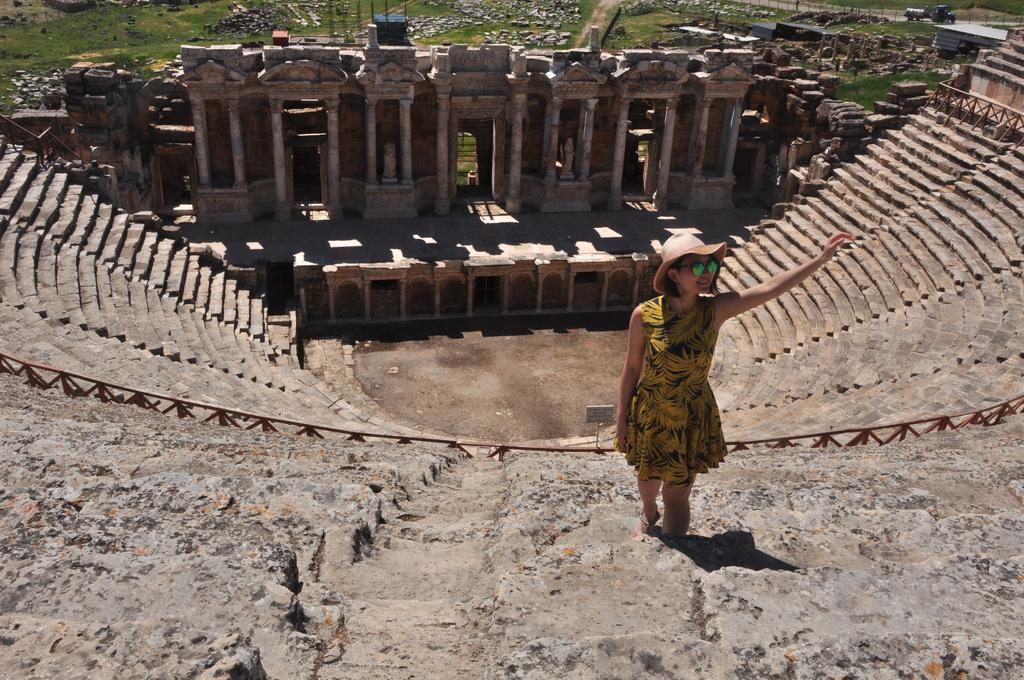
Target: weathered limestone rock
901,560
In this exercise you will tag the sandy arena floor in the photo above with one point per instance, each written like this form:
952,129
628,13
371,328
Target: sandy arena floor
504,387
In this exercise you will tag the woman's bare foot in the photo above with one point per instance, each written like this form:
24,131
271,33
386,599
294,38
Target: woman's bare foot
645,527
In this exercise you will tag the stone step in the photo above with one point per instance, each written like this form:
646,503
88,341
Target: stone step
69,209
996,61
50,203
203,294
114,240
176,273
970,202
215,307
939,141
28,208
17,187
191,284
257,320
10,162
920,243
160,268
895,159
142,264
882,263
102,228
230,314
242,312
975,136
135,234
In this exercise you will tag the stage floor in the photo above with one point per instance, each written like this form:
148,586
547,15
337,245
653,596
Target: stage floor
472,230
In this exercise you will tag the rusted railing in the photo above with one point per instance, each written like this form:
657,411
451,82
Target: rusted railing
43,143
977,110
75,385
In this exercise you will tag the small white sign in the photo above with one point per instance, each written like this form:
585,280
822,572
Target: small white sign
600,414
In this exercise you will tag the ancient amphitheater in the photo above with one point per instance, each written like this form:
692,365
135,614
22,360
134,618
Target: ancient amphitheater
156,525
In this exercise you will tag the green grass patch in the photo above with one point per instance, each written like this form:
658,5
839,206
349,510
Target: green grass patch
866,90
642,29
138,38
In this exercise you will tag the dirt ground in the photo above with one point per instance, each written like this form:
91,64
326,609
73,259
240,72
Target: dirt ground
504,387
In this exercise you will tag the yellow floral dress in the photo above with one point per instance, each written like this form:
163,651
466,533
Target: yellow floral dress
674,427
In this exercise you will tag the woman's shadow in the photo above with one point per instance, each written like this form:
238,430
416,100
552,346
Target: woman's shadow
727,549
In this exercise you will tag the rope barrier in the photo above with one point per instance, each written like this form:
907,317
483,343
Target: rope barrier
79,386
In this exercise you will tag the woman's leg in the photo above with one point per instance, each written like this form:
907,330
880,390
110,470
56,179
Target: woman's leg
677,510
649,503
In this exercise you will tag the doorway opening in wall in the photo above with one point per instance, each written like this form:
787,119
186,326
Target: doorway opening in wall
637,173
473,160
486,291
743,169
385,299
280,286
175,165
306,182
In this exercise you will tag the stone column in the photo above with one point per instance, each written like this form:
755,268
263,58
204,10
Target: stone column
698,136
498,179
547,133
437,297
405,123
371,141
367,298
504,293
540,290
588,141
730,135
653,161
621,130
470,288
202,146
552,158
282,209
665,162
572,290
401,300
442,203
237,149
333,160
604,290
513,202
331,291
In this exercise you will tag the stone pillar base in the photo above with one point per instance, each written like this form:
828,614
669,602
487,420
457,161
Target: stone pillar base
614,203
708,193
282,212
390,200
513,205
442,207
566,197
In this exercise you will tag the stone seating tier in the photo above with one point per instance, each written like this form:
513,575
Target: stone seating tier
913,320
112,280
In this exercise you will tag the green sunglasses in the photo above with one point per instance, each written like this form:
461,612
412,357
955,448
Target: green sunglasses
698,268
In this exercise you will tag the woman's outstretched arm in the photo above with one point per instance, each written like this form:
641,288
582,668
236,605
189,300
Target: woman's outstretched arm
631,370
728,305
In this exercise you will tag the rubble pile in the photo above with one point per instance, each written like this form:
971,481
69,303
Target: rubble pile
707,7
904,99
70,6
525,15
38,90
822,18
246,22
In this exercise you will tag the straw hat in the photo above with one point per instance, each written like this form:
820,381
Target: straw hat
677,246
